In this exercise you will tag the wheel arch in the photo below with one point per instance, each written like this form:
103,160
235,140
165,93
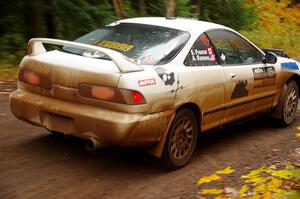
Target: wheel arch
277,111
157,149
196,110
296,78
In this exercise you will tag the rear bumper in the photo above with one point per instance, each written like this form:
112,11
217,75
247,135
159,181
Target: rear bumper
106,126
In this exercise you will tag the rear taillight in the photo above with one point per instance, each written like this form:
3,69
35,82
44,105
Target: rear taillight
34,79
117,95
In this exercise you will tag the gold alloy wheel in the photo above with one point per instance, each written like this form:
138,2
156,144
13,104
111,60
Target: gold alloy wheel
290,104
182,139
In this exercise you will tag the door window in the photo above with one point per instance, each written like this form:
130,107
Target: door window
202,53
233,49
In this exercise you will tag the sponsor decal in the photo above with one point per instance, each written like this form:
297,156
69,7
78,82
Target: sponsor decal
146,82
290,66
264,76
168,77
115,45
240,89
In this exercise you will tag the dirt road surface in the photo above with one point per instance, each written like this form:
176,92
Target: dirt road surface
35,164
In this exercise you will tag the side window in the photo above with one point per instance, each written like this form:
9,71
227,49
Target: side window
233,49
201,54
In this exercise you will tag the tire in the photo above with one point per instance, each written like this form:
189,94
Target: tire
181,140
290,103
56,134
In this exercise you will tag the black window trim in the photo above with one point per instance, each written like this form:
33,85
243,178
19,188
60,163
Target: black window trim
239,64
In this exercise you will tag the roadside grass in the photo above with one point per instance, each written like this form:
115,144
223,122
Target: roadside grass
8,72
288,41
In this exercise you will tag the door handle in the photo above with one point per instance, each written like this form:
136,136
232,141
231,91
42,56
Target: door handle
233,75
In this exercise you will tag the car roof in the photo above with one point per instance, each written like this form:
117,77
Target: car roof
184,24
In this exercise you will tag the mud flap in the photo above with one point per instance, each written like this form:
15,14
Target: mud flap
157,149
278,110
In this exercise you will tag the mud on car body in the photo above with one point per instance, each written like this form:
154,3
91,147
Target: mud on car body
153,83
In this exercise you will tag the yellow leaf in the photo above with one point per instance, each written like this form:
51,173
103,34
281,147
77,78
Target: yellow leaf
256,180
298,127
284,174
254,173
243,190
211,191
207,179
297,134
227,170
260,189
274,184
267,195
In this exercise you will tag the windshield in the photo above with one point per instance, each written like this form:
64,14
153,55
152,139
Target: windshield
143,44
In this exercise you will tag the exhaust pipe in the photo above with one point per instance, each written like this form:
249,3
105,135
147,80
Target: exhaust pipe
92,144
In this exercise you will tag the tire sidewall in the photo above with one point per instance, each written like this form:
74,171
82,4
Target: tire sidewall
167,155
290,85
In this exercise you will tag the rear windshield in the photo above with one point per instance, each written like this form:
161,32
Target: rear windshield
143,44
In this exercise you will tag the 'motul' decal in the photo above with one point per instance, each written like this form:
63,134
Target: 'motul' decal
147,82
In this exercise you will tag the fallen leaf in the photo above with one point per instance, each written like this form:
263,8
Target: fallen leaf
256,180
211,191
297,134
227,170
207,179
254,173
284,174
243,190
298,127
267,195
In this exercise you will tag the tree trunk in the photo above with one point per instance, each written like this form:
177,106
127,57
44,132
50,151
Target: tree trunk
171,5
142,8
197,8
33,18
50,19
119,9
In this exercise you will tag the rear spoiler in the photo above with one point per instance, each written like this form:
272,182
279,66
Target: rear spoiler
278,52
35,47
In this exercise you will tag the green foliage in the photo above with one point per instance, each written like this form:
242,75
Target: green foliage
235,13
21,20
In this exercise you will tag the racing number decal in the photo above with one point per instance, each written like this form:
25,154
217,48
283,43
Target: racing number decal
264,76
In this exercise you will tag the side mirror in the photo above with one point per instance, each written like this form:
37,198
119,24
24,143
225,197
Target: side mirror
270,58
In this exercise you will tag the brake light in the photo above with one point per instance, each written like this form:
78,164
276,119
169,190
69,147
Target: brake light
31,78
116,95
35,79
137,97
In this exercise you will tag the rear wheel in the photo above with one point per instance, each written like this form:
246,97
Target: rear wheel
181,139
290,103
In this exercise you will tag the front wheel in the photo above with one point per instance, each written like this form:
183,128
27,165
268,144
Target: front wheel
181,139
290,104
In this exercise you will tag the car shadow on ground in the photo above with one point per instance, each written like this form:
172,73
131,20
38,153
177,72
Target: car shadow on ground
69,151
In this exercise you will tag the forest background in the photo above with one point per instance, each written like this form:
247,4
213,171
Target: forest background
267,23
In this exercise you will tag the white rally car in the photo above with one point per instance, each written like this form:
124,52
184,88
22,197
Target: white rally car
153,83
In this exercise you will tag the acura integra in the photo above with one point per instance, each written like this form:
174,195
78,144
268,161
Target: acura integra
154,83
